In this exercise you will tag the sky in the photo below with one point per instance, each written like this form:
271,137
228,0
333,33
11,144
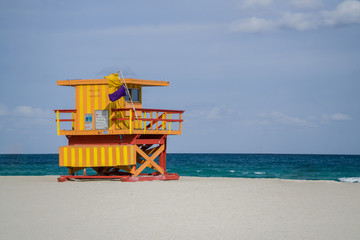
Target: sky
253,76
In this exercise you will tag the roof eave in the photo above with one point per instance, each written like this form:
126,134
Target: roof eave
76,82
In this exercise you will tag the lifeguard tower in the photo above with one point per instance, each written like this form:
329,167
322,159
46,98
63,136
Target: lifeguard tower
116,139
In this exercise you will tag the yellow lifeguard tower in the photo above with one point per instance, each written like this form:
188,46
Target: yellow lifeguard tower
117,139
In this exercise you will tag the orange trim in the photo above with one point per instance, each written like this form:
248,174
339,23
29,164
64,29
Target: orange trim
65,110
141,82
149,110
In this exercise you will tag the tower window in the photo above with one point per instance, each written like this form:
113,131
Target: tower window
135,95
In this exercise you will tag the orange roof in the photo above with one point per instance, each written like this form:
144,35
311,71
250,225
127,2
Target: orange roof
104,81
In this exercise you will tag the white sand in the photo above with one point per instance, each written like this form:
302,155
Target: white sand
191,208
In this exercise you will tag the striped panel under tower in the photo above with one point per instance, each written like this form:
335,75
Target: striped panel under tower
97,156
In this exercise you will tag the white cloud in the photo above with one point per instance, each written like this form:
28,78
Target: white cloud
268,119
306,4
24,115
346,12
3,110
299,21
24,111
216,112
337,117
28,111
289,20
287,120
255,3
253,24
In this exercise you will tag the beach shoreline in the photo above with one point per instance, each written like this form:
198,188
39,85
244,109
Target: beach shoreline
38,207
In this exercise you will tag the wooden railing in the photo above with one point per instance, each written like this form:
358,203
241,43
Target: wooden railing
128,121
58,120
147,120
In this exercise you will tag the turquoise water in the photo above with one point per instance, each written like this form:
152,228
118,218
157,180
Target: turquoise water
284,166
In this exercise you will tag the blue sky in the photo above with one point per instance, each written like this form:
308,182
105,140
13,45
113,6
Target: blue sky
254,76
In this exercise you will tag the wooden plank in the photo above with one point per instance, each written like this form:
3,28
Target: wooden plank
65,110
117,132
81,108
149,110
149,160
141,82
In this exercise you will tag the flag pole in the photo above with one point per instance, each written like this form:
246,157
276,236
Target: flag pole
127,90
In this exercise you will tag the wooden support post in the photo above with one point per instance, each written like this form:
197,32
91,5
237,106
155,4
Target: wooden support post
151,123
144,122
133,169
72,123
169,123
162,157
58,122
157,122
130,121
163,124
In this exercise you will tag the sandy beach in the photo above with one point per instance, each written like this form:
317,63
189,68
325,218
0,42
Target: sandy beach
191,208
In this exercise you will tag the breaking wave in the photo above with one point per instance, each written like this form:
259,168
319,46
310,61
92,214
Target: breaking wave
350,179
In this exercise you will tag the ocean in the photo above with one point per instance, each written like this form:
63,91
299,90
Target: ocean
344,168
